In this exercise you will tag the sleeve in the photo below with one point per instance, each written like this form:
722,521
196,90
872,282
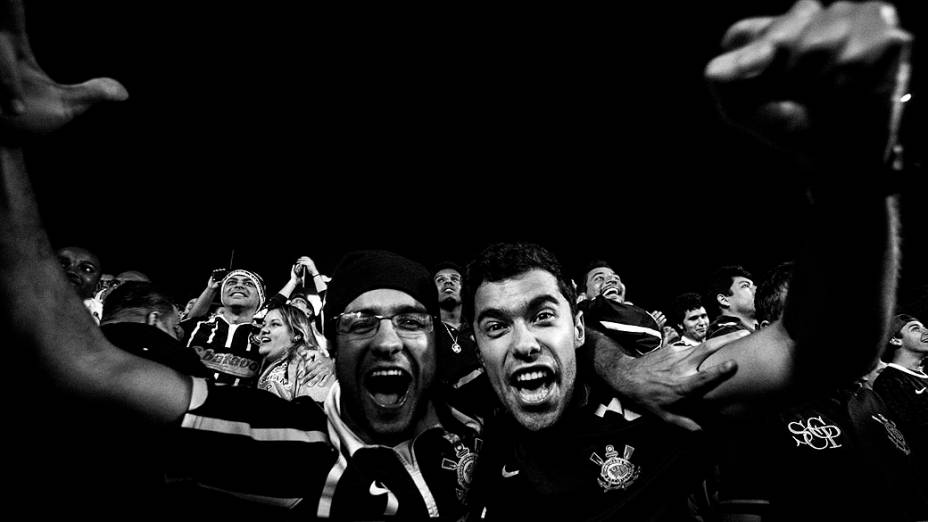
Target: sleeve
250,444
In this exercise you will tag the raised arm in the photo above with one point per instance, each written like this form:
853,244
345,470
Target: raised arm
201,306
42,309
824,84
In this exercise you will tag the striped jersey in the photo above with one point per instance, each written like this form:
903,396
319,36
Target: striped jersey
255,446
225,349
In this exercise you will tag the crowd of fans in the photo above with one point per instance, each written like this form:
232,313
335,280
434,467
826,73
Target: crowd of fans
502,387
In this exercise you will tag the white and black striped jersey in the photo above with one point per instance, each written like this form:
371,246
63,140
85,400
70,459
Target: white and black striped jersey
252,445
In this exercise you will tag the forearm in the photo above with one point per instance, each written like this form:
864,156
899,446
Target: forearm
201,306
843,288
288,288
607,359
44,312
319,283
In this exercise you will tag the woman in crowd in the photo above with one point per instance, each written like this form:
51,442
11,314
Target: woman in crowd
290,351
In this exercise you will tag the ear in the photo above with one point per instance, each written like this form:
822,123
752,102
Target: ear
297,338
895,341
722,300
152,318
579,330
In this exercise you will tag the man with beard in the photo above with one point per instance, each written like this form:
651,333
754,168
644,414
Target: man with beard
567,452
690,318
381,446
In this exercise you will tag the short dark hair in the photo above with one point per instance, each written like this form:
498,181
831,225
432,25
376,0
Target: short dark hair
681,304
770,298
595,263
445,265
895,332
136,297
504,260
720,282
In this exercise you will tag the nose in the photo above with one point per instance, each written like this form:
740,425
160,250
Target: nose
524,344
385,342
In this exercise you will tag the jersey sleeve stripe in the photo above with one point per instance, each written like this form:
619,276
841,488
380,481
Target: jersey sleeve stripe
242,428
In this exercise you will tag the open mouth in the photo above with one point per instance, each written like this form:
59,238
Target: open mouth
389,387
610,292
534,385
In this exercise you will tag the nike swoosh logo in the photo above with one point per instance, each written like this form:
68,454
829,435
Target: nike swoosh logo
509,474
377,490
921,391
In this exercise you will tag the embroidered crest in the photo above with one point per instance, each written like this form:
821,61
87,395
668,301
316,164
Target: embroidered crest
464,465
815,433
616,472
895,436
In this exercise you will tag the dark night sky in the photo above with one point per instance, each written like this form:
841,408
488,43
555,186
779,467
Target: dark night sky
280,131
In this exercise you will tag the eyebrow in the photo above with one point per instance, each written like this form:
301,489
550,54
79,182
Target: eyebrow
500,313
401,309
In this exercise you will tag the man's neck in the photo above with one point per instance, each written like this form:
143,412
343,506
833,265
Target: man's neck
426,421
749,322
237,315
909,360
452,317
689,340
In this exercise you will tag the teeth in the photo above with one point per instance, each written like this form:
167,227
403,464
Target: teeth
386,373
534,396
530,376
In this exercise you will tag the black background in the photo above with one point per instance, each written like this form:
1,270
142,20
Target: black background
277,131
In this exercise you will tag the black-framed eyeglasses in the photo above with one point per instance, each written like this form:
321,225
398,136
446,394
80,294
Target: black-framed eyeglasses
362,325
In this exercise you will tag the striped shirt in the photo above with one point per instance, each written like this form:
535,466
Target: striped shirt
225,349
252,445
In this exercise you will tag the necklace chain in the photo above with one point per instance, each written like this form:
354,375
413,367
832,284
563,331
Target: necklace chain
455,347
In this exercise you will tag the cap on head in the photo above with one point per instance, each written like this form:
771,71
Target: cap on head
364,270
259,283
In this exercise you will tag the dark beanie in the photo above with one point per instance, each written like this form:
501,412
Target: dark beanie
366,270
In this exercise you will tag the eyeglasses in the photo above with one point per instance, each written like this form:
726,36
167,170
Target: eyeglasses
362,325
